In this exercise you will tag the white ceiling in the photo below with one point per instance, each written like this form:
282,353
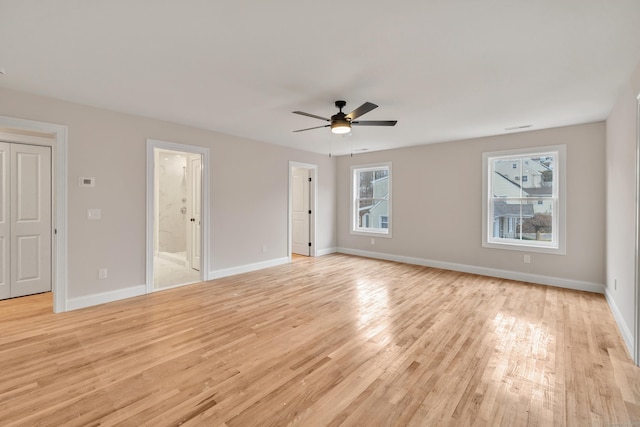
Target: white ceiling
445,69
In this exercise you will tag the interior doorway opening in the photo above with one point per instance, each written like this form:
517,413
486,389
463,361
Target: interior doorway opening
54,137
177,218
302,209
176,202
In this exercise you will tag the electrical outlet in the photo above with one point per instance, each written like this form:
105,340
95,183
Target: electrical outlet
264,249
527,259
102,273
373,241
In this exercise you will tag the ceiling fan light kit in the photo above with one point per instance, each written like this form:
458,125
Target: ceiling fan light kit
340,126
341,123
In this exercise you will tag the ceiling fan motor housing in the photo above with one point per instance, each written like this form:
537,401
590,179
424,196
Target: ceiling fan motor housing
340,123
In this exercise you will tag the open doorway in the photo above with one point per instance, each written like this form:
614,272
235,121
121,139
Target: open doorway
52,248
302,209
176,190
177,218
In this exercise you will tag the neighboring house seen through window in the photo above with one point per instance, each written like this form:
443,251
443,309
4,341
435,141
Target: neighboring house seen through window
523,204
371,199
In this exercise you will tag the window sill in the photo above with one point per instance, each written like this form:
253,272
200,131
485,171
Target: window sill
525,248
371,233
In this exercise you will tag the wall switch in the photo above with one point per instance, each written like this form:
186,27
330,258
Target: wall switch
94,214
373,241
527,259
102,273
86,181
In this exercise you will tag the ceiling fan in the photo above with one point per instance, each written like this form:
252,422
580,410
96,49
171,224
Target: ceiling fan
341,123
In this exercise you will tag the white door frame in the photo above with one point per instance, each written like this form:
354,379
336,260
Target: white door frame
636,335
152,144
57,140
313,204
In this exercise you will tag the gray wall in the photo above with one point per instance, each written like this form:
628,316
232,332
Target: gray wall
437,204
621,196
249,190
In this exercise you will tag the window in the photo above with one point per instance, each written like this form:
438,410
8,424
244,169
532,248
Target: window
523,207
371,199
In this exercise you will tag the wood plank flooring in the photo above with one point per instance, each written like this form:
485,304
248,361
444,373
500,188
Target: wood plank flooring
330,341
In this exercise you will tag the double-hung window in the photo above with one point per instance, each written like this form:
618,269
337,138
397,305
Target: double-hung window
524,199
371,199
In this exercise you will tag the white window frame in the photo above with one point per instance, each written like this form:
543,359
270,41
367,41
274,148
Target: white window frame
558,244
354,229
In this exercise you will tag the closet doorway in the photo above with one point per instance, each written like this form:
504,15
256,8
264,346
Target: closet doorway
25,219
302,209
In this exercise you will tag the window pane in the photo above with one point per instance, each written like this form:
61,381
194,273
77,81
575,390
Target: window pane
537,176
365,181
530,176
540,226
371,213
506,177
523,220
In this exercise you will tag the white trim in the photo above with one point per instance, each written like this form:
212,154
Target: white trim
313,204
232,271
152,144
327,251
484,271
374,232
59,202
105,297
636,335
627,336
559,218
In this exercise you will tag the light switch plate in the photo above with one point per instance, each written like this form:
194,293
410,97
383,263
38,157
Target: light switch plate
86,181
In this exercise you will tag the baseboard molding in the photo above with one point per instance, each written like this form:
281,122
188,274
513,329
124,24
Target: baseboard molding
104,297
326,251
624,329
484,271
224,272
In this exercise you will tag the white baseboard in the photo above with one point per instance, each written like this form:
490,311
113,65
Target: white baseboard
484,271
326,251
104,297
624,329
224,272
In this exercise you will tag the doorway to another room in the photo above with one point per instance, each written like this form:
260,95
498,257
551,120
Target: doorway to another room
302,206
26,217
177,216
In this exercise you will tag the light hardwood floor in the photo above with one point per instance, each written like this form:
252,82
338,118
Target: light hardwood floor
335,340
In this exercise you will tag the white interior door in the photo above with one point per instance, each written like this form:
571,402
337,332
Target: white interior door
300,226
30,235
195,211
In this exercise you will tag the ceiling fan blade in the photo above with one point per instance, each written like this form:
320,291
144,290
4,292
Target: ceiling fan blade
363,109
375,123
316,127
302,113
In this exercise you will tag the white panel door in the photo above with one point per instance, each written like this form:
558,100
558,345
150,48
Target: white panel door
30,219
5,221
195,211
300,212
